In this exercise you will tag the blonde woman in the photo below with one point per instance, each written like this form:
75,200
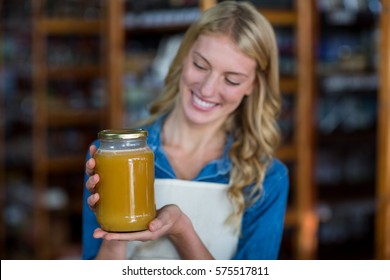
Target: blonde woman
213,127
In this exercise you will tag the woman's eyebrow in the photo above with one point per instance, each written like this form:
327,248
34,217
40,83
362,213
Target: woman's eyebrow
201,56
238,74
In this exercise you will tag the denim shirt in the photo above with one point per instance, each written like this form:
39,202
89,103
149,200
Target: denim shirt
262,222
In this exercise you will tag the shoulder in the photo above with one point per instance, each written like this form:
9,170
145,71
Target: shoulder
154,129
275,184
276,180
276,171
271,204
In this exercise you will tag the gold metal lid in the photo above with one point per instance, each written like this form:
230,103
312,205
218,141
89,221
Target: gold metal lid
111,134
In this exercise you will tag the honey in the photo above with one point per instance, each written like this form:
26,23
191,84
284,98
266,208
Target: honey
126,185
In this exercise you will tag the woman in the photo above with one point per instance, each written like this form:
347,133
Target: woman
215,122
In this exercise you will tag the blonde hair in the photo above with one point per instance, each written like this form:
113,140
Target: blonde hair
254,123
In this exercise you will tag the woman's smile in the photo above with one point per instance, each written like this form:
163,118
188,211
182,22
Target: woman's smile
202,104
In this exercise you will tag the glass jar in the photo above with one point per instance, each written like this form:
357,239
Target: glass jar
125,165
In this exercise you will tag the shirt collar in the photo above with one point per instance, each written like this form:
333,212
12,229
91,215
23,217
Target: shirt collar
215,168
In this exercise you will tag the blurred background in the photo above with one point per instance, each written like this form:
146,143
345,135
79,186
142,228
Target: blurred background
73,67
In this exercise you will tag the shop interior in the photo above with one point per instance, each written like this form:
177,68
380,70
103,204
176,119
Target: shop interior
71,68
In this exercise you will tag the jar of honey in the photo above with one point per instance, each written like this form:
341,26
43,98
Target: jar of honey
125,165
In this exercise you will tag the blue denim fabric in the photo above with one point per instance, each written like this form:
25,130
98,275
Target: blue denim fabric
262,223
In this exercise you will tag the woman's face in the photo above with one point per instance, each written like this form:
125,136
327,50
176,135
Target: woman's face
216,76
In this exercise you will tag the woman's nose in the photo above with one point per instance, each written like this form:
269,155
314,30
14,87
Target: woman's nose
209,85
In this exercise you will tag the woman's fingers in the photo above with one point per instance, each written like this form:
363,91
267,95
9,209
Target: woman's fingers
155,225
93,178
92,200
91,183
125,236
90,164
167,219
165,223
92,150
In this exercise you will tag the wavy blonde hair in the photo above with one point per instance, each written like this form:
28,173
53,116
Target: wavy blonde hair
254,123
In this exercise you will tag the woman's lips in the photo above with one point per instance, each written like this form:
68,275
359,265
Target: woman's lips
202,104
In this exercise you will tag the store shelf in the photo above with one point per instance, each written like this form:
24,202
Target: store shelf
301,216
69,62
290,219
3,234
287,153
347,131
63,26
66,117
280,17
288,85
382,220
65,164
78,72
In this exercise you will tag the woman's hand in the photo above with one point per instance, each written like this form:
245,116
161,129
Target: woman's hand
92,180
170,221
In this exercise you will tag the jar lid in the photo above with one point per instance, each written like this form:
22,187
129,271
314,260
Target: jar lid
111,134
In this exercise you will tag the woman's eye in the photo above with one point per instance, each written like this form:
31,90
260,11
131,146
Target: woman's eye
230,82
199,66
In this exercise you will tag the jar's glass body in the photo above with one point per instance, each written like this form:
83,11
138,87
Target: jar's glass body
126,186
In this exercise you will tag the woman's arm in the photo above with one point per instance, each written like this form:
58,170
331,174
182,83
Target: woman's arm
263,223
185,238
112,250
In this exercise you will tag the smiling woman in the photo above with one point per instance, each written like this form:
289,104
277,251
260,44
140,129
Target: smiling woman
212,84
213,132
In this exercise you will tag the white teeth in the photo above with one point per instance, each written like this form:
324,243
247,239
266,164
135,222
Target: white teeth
202,103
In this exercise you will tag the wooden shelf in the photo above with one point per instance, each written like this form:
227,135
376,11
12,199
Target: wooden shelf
305,199
277,18
52,113
280,17
79,72
153,30
291,218
61,117
382,230
60,164
288,85
287,153
64,164
69,26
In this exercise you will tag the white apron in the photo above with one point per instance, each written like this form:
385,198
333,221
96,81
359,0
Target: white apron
207,205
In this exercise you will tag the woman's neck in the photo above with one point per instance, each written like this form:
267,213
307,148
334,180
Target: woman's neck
178,132
190,147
